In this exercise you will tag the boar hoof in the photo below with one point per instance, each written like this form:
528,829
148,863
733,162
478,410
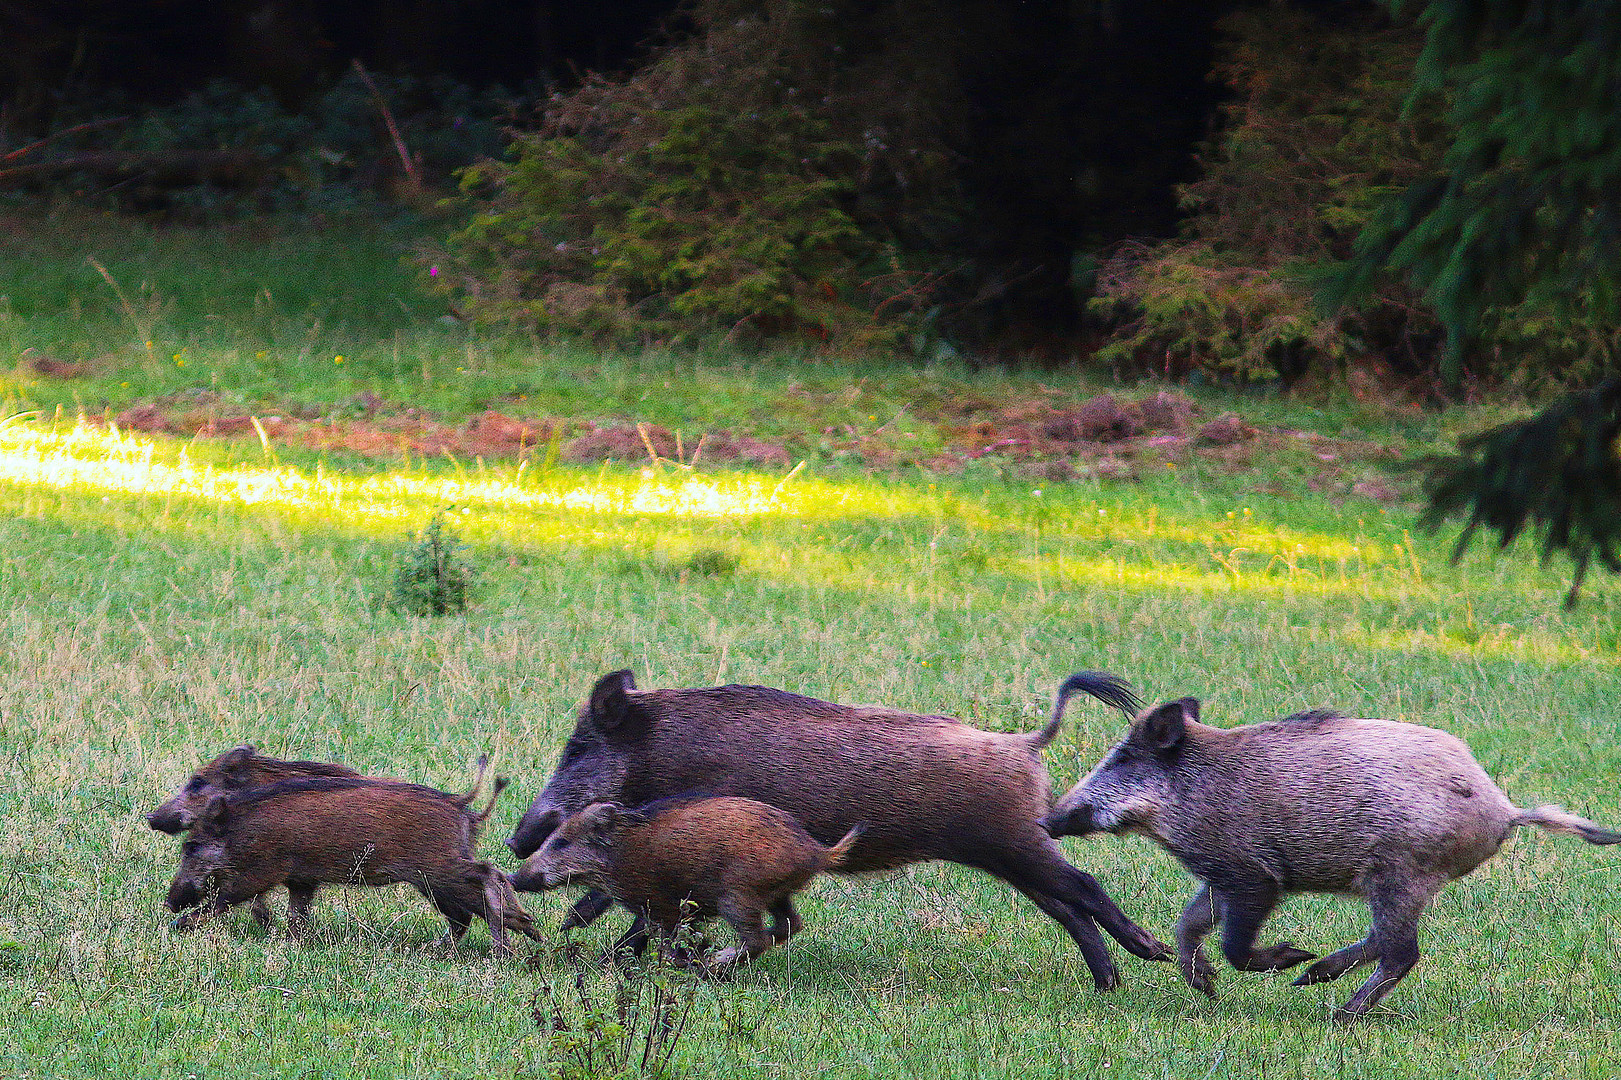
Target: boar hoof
1198,973
1283,955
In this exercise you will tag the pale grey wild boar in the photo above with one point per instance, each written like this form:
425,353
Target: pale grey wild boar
924,787
344,831
243,768
691,859
1316,802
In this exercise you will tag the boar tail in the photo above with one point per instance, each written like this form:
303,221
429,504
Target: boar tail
1558,819
1109,689
465,799
837,853
499,786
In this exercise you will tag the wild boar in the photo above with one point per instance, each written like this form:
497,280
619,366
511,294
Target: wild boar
691,859
1316,802
346,831
242,768
925,787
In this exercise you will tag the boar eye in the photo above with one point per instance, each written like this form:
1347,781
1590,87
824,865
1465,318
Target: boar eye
562,842
194,784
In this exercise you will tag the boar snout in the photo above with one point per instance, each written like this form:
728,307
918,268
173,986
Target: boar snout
166,819
528,878
533,831
183,894
1072,820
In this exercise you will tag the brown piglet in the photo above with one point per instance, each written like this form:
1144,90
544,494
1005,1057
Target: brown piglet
691,859
341,831
243,768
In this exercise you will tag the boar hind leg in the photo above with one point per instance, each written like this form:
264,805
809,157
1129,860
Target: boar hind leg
1336,964
1396,908
785,921
1079,926
753,938
1198,919
1045,871
1242,913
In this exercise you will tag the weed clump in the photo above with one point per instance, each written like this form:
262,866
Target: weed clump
434,576
625,1025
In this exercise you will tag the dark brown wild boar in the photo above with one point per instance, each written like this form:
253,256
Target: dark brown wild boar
691,858
925,787
1316,802
243,768
341,831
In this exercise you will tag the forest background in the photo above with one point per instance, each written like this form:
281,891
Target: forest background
1166,189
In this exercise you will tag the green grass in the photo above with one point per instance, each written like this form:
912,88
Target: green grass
166,599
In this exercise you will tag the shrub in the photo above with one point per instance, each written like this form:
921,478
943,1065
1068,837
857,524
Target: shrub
433,576
1315,138
715,190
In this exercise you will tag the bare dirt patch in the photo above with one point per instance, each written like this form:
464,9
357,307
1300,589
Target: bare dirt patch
1042,437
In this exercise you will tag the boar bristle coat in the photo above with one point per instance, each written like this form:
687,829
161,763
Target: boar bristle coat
339,830
1317,802
925,787
691,859
243,768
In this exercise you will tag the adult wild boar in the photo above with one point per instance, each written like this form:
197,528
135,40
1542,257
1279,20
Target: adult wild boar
1316,802
925,787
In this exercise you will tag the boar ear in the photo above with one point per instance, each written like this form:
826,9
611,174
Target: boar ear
599,818
610,701
215,812
1164,727
236,759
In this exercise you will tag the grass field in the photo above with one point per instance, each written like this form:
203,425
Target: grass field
167,598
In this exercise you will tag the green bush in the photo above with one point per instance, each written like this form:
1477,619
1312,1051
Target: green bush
434,576
711,192
1315,139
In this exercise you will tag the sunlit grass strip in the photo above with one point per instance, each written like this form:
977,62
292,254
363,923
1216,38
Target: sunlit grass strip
1520,646
91,461
102,461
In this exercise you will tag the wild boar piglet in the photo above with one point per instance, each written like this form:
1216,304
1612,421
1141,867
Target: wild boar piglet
1316,802
341,831
243,768
691,859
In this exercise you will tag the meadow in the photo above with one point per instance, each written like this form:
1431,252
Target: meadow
166,598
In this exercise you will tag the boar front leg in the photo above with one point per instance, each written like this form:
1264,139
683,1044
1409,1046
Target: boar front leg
300,895
1198,919
1243,910
586,910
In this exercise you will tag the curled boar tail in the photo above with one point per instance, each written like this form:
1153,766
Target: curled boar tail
1558,819
837,853
499,786
1109,689
465,799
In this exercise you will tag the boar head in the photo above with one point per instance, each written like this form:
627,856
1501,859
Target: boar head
578,852
1129,787
593,767
202,856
